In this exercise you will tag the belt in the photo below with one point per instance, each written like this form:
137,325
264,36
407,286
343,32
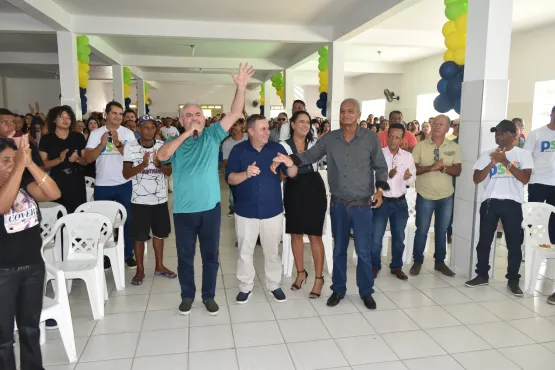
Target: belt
402,197
351,203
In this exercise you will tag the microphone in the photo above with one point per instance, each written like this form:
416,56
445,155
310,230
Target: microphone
195,134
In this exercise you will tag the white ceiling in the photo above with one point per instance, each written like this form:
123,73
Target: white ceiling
29,42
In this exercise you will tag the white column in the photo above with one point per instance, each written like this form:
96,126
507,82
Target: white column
141,109
484,105
336,81
269,92
69,73
117,80
289,88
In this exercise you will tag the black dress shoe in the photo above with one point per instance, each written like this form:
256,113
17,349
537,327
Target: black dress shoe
369,302
334,299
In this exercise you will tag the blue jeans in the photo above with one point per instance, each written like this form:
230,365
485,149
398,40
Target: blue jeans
425,208
205,225
397,212
360,219
122,195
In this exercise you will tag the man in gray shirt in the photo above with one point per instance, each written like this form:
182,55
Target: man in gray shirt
354,155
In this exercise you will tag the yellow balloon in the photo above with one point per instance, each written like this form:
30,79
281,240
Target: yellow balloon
456,40
460,55
323,88
324,80
461,22
323,74
126,90
448,28
449,55
84,67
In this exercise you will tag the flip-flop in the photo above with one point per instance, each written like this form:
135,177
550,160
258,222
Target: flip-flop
137,281
166,274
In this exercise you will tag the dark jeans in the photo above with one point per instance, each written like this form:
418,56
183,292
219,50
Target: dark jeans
359,218
122,195
544,193
510,214
425,208
21,292
397,212
205,225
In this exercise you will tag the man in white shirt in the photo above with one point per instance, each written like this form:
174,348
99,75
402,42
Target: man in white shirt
402,173
504,171
236,137
168,130
105,146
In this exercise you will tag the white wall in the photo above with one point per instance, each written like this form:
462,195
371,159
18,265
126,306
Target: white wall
22,92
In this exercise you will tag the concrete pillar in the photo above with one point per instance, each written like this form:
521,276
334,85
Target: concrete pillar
3,93
484,105
117,80
336,81
69,73
269,92
289,89
141,109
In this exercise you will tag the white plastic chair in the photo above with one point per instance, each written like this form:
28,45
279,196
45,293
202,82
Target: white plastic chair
536,232
50,213
90,194
89,182
85,254
115,251
59,310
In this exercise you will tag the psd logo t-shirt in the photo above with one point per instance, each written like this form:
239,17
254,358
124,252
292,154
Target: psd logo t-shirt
541,144
501,183
23,215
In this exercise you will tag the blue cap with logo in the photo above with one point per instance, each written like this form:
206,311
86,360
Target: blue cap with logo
146,118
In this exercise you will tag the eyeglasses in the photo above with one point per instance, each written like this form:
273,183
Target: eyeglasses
436,154
282,119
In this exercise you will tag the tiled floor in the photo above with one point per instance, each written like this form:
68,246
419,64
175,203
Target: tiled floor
428,322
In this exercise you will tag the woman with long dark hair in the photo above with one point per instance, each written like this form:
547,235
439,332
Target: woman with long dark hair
22,185
90,125
60,151
305,204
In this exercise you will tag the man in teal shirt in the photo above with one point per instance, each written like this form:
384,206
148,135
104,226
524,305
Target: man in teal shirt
196,188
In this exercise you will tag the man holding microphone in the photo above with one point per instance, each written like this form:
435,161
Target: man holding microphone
196,208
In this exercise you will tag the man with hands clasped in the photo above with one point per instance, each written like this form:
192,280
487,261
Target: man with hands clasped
402,173
251,167
504,172
196,207
437,161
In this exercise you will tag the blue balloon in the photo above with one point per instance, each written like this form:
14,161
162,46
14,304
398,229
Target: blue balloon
442,86
461,73
457,106
83,99
324,112
454,88
320,103
324,96
147,109
82,91
443,104
449,70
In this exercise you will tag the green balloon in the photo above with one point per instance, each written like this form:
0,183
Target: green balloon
82,40
455,10
82,58
323,51
447,2
322,68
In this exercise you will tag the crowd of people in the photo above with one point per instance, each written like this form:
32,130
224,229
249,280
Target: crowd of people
272,169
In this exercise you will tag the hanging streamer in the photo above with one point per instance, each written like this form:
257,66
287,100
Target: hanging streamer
452,70
83,58
322,103
126,86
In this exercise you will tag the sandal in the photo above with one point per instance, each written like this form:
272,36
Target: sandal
298,287
137,280
313,294
166,274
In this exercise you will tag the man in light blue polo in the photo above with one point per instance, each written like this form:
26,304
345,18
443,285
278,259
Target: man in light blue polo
196,207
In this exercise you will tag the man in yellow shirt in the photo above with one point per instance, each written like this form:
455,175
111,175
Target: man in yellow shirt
437,161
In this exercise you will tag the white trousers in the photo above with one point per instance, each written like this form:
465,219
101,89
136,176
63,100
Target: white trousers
248,230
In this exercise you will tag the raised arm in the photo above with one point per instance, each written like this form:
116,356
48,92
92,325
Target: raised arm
238,104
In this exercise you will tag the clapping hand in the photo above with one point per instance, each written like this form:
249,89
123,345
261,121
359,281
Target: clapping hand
74,157
245,73
23,156
146,159
498,156
252,170
281,158
62,156
155,159
407,175
438,165
393,172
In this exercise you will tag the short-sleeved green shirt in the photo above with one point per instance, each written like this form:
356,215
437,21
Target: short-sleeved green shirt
435,185
196,182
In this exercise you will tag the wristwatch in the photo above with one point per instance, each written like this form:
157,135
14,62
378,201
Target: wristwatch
509,166
119,145
444,170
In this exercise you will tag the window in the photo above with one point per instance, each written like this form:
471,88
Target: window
275,110
375,107
425,108
544,101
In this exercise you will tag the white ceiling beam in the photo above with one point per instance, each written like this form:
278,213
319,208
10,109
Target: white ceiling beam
47,12
139,74
105,51
96,25
403,38
199,62
358,67
28,58
300,58
21,22
202,78
366,14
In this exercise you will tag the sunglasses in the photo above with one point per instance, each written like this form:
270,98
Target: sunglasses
436,154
